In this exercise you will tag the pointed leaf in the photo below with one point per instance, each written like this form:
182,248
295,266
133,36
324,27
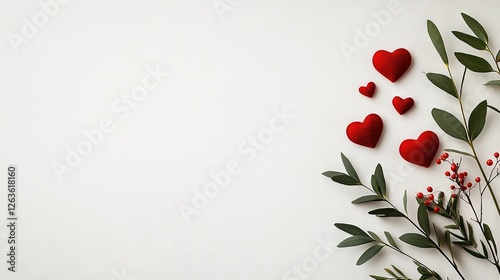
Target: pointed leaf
391,273
497,58
348,167
443,82
471,235
474,63
390,239
368,254
351,229
458,152
386,212
477,120
398,271
493,83
437,41
473,253
472,41
375,186
379,176
438,239
374,235
417,240
489,236
341,178
423,218
405,201
449,124
367,198
476,27
485,251
355,240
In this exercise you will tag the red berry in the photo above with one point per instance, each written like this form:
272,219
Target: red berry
438,161
453,176
420,195
465,173
447,174
436,209
431,196
489,162
454,195
496,155
478,179
445,155
429,189
469,185
452,187
463,188
454,167
428,202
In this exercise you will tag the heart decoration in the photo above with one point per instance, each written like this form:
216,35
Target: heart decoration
402,105
368,90
392,65
421,151
366,133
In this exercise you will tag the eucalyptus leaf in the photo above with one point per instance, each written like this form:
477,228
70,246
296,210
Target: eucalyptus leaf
405,201
477,120
341,178
472,41
348,167
375,185
437,41
474,63
485,251
379,176
390,239
368,254
374,235
417,240
351,229
423,218
489,236
493,83
367,198
497,58
386,212
355,240
449,124
443,82
474,253
476,27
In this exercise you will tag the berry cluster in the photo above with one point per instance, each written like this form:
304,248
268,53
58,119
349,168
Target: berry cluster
429,199
459,178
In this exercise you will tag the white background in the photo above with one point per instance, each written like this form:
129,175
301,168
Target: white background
117,214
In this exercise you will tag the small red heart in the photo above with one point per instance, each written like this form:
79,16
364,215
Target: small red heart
366,133
402,105
421,151
392,65
369,90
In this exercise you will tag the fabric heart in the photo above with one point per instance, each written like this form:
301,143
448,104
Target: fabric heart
402,105
421,151
392,65
369,90
366,133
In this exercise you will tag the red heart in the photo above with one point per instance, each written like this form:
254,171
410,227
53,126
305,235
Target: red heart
402,105
421,151
392,65
369,90
366,133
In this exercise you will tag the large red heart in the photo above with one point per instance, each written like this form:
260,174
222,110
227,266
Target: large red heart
421,151
392,65
366,133
369,90
402,105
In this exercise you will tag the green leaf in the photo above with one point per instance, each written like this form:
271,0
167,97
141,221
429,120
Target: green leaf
368,254
474,63
494,109
449,124
493,83
367,198
485,251
390,239
471,235
458,152
341,178
423,218
376,277
437,41
351,229
417,240
379,176
355,240
374,235
405,202
386,212
497,58
398,271
474,253
451,226
348,167
477,120
443,82
375,185
472,41
476,27
489,236
390,272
